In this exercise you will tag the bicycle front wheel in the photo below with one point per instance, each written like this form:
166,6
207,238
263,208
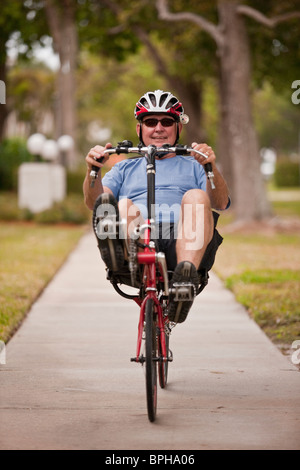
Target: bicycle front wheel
151,360
163,365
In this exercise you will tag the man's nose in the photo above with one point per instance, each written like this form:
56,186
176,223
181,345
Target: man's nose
159,126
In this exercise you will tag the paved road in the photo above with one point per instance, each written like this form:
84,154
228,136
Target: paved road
68,382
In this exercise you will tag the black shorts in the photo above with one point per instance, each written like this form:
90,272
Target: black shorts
167,244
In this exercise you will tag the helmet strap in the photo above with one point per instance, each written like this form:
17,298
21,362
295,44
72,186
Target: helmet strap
140,136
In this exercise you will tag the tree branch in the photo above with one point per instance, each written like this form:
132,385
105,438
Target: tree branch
261,18
142,36
210,28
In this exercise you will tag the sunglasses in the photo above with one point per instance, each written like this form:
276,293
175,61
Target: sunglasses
152,122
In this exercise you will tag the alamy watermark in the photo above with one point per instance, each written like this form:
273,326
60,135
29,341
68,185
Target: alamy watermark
2,353
296,95
296,355
2,92
191,229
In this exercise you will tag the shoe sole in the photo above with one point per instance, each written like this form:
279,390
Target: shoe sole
107,232
185,274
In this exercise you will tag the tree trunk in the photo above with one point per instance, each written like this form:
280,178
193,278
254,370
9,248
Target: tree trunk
190,94
61,20
223,143
249,195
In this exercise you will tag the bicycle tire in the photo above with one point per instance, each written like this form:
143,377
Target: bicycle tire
151,367
163,366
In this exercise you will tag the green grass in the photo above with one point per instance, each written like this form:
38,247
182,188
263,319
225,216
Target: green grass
263,273
287,209
30,255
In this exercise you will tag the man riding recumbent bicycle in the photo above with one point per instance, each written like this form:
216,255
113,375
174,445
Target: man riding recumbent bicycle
154,223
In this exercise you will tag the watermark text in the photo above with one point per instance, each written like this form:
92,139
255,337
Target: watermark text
296,95
2,353
2,92
190,228
296,355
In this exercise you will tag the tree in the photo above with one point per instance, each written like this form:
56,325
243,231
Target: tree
136,22
63,29
30,88
13,19
238,139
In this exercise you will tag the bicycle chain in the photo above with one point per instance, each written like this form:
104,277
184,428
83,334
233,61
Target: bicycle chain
132,260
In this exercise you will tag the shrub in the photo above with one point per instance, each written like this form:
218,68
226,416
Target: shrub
287,174
75,181
72,210
13,152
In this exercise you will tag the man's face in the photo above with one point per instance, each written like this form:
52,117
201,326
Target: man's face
158,129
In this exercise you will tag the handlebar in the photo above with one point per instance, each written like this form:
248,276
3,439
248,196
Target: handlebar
126,147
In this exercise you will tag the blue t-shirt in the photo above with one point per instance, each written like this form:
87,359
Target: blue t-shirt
174,177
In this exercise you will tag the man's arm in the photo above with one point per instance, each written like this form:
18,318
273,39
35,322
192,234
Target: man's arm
219,197
91,193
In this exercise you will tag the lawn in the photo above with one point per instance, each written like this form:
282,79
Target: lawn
261,266
30,255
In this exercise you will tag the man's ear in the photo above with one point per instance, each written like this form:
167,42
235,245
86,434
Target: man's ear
138,128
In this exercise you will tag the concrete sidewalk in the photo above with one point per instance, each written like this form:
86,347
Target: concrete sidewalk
68,382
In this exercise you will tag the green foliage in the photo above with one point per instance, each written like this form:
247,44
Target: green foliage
271,110
13,152
275,51
70,211
31,90
75,181
101,31
107,93
25,20
287,174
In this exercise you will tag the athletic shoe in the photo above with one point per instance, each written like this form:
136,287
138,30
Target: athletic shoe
183,290
107,229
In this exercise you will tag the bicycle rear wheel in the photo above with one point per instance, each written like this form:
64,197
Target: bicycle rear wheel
151,368
163,366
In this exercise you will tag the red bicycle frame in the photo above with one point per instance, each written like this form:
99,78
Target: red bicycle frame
149,259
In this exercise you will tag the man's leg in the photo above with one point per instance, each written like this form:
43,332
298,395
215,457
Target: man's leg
195,228
195,231
132,214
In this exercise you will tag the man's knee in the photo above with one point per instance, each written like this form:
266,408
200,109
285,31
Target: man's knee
196,196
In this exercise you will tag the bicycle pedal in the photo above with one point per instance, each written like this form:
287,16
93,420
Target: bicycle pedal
183,292
138,360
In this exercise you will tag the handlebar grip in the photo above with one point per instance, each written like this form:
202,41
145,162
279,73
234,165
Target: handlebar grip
94,172
96,168
208,167
210,174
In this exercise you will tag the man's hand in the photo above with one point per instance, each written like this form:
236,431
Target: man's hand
95,154
204,148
